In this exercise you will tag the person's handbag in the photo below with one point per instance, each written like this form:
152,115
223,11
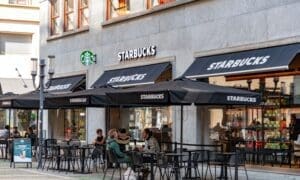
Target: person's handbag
129,174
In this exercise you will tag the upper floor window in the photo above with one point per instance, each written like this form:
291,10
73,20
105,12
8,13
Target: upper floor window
116,8
54,17
69,15
83,13
15,44
152,3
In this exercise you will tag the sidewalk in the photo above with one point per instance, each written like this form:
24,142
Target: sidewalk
23,173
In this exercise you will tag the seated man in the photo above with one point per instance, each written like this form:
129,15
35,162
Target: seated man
15,133
5,133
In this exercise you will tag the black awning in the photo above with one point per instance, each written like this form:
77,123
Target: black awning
65,84
86,98
183,92
132,76
31,100
251,61
23,101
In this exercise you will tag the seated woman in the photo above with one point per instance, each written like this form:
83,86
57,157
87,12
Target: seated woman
123,139
113,145
99,143
100,139
151,143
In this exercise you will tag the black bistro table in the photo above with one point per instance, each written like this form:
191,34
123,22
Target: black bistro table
152,157
84,151
190,152
176,166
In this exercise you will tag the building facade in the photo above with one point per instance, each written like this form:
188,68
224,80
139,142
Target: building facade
19,41
180,30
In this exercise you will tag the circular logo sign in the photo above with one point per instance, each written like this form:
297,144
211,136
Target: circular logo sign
87,58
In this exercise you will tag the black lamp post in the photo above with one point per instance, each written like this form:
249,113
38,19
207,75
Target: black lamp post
41,98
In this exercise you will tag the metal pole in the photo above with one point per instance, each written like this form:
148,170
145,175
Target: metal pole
42,76
181,127
9,121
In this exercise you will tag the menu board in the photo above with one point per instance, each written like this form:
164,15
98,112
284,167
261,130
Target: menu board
22,150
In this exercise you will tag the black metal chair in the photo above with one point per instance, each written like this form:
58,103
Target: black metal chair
238,160
215,160
115,161
137,164
48,151
3,148
163,165
97,154
201,158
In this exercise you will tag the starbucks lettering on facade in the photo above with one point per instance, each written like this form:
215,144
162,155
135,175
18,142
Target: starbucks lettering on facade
137,53
250,61
134,77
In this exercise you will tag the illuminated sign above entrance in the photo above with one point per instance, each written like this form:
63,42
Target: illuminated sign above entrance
134,54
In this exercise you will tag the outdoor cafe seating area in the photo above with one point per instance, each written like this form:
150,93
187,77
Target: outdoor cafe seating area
178,161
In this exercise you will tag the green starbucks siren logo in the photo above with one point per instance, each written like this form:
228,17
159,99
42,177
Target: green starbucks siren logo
87,58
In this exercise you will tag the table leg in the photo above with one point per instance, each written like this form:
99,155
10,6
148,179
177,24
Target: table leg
190,165
151,164
58,158
225,169
82,160
176,168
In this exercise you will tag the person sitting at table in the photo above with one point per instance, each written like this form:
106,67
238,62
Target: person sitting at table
100,139
31,135
113,145
151,143
123,139
15,133
5,133
99,143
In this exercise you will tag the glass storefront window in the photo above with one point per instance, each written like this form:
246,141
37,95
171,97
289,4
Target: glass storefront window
74,123
155,118
135,120
2,118
263,126
25,119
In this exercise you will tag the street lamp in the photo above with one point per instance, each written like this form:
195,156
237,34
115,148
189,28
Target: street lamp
41,98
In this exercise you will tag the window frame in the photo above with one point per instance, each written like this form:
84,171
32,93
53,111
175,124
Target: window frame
120,10
53,16
66,16
81,9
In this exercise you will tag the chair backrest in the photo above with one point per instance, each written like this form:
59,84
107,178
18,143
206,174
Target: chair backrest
75,142
137,158
48,146
214,156
50,142
112,157
237,158
200,156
